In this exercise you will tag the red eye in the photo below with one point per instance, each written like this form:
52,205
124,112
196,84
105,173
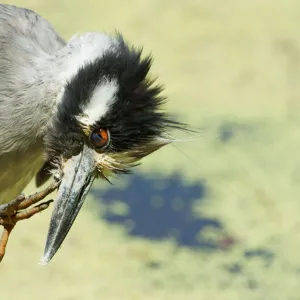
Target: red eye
100,138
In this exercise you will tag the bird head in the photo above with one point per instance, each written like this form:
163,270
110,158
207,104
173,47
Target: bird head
109,117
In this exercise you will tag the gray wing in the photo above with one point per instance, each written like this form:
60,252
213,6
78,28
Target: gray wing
25,23
26,39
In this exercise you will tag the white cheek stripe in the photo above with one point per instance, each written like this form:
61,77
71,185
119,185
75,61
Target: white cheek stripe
101,99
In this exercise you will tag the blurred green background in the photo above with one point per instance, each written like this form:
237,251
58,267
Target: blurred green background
215,218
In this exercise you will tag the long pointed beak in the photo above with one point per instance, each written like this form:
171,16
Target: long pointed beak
79,174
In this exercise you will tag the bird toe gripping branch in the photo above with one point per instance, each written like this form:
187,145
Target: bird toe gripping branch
19,209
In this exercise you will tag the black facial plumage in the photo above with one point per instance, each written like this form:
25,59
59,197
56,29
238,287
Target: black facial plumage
133,119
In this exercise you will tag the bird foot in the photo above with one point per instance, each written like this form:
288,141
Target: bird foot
19,209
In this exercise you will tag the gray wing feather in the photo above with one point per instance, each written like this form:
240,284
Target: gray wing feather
25,23
26,40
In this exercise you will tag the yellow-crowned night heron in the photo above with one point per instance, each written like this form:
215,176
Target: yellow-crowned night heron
77,110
